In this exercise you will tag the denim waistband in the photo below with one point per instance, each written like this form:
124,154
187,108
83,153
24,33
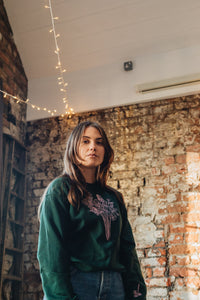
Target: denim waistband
101,285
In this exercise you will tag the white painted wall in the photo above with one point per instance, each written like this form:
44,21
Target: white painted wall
110,85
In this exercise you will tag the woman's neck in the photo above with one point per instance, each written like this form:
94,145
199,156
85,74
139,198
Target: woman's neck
89,174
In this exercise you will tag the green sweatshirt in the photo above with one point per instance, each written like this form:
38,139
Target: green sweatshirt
96,237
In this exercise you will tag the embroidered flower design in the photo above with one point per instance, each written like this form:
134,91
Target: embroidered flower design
103,208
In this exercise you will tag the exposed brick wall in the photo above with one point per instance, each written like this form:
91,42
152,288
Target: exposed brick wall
156,167
14,80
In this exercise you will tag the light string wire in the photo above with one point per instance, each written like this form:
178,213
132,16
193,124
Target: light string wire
6,95
68,110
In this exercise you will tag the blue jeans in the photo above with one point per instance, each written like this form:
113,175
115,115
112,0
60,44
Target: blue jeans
105,285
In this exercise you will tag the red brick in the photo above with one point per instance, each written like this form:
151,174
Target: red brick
182,249
178,207
172,218
182,272
192,237
181,159
160,244
195,205
191,217
159,272
182,228
158,282
162,261
183,261
169,160
192,282
176,238
193,148
148,272
181,169
180,282
162,210
189,198
191,228
163,252
191,206
178,197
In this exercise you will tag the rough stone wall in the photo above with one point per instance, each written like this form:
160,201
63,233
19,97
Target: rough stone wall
14,80
156,167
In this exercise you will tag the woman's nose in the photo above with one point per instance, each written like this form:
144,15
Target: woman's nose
92,146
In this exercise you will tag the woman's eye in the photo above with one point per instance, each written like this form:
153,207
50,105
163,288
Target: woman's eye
85,141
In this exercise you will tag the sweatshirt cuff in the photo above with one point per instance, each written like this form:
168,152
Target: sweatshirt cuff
57,286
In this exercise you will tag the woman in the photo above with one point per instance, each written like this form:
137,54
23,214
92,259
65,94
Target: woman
86,249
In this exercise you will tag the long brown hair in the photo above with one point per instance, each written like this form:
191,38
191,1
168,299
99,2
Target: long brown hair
71,162
77,184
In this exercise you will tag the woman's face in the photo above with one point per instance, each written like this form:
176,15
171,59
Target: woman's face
91,149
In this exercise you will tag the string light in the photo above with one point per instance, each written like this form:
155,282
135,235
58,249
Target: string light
27,101
61,82
68,110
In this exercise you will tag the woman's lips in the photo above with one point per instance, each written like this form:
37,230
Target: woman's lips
91,155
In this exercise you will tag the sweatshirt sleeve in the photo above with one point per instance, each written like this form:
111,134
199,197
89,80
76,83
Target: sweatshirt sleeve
134,285
53,255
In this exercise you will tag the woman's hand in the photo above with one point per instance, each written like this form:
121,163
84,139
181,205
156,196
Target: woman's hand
136,293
